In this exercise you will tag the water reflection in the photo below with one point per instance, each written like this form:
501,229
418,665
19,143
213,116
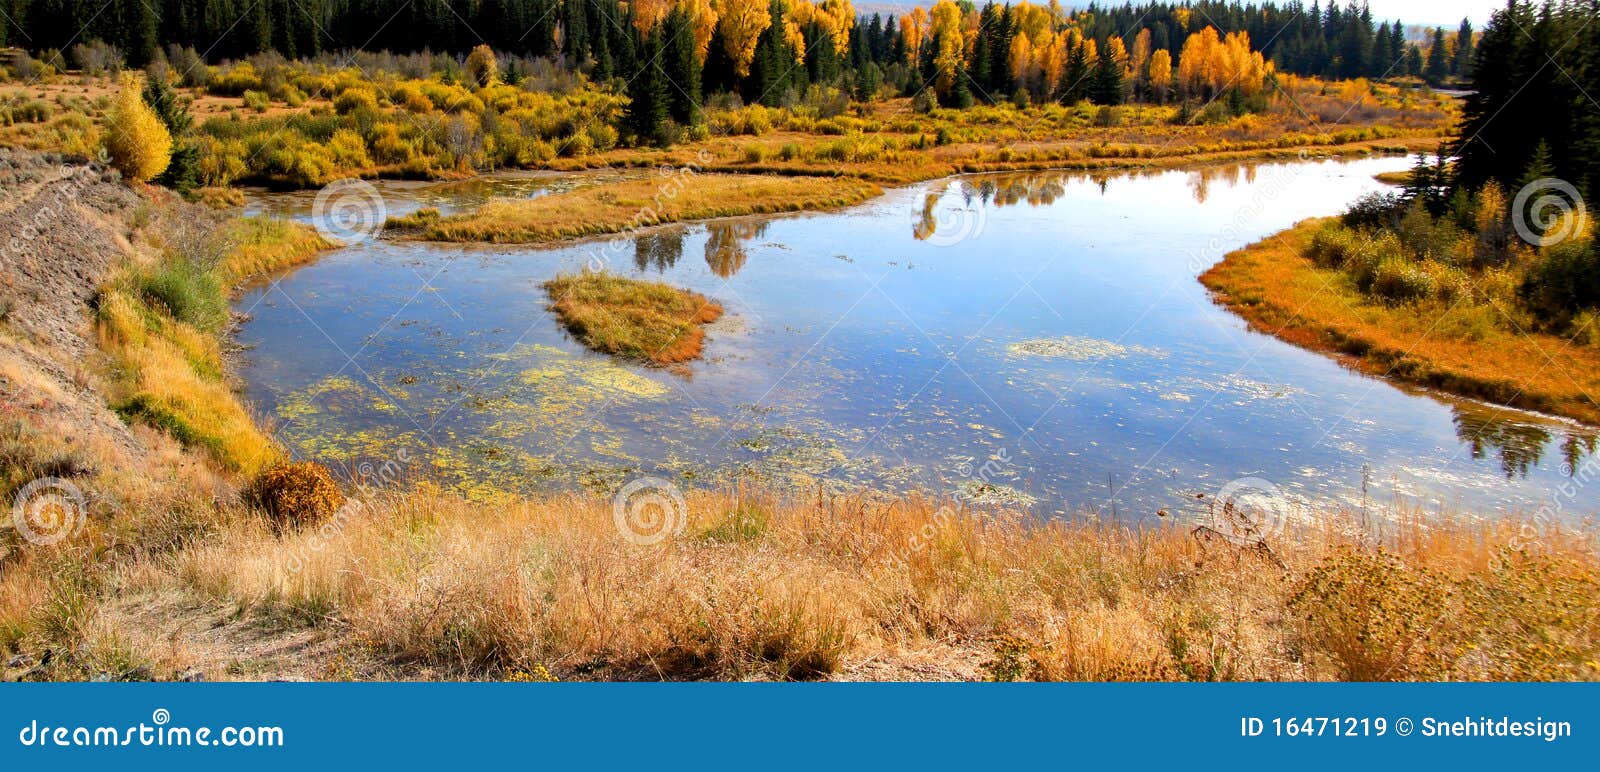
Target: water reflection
660,249
726,244
1043,189
1519,445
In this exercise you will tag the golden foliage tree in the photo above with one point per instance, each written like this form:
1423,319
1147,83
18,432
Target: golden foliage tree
1161,73
949,45
913,30
1209,64
648,14
136,140
741,23
482,66
703,15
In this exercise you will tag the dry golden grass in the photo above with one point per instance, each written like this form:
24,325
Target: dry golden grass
1275,286
800,588
169,369
263,245
645,321
636,203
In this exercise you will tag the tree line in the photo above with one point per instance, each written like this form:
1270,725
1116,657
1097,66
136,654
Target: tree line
771,50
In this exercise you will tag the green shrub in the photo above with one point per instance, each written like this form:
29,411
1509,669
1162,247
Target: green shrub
188,291
257,101
1564,281
296,494
1332,245
1399,280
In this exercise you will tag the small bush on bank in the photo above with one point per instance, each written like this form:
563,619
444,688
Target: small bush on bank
189,292
296,494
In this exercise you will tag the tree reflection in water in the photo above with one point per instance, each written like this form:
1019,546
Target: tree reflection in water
1519,444
725,245
660,248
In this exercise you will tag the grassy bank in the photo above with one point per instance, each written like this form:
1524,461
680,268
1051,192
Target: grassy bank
161,323
614,207
1466,348
423,584
644,321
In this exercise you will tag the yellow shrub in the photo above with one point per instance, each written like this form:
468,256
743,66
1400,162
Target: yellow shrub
482,66
349,151
136,139
297,494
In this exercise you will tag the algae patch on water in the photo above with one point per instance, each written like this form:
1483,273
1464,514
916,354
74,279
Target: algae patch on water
505,416
1078,348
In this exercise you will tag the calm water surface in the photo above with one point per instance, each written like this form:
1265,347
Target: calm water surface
1040,338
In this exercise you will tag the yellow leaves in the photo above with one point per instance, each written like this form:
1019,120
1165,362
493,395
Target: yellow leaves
834,17
914,29
137,141
1209,63
949,45
483,68
741,23
704,19
1161,72
648,14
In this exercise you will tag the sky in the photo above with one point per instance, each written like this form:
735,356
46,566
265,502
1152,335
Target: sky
1435,11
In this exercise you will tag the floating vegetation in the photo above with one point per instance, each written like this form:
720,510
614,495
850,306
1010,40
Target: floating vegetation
1077,348
992,494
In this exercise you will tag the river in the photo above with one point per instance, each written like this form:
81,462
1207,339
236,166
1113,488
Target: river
1037,339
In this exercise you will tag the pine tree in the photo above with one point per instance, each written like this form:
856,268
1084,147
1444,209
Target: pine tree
646,113
1438,68
682,68
1462,66
1107,85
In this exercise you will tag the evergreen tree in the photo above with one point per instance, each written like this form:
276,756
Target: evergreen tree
682,68
1438,68
1462,66
1107,86
646,113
